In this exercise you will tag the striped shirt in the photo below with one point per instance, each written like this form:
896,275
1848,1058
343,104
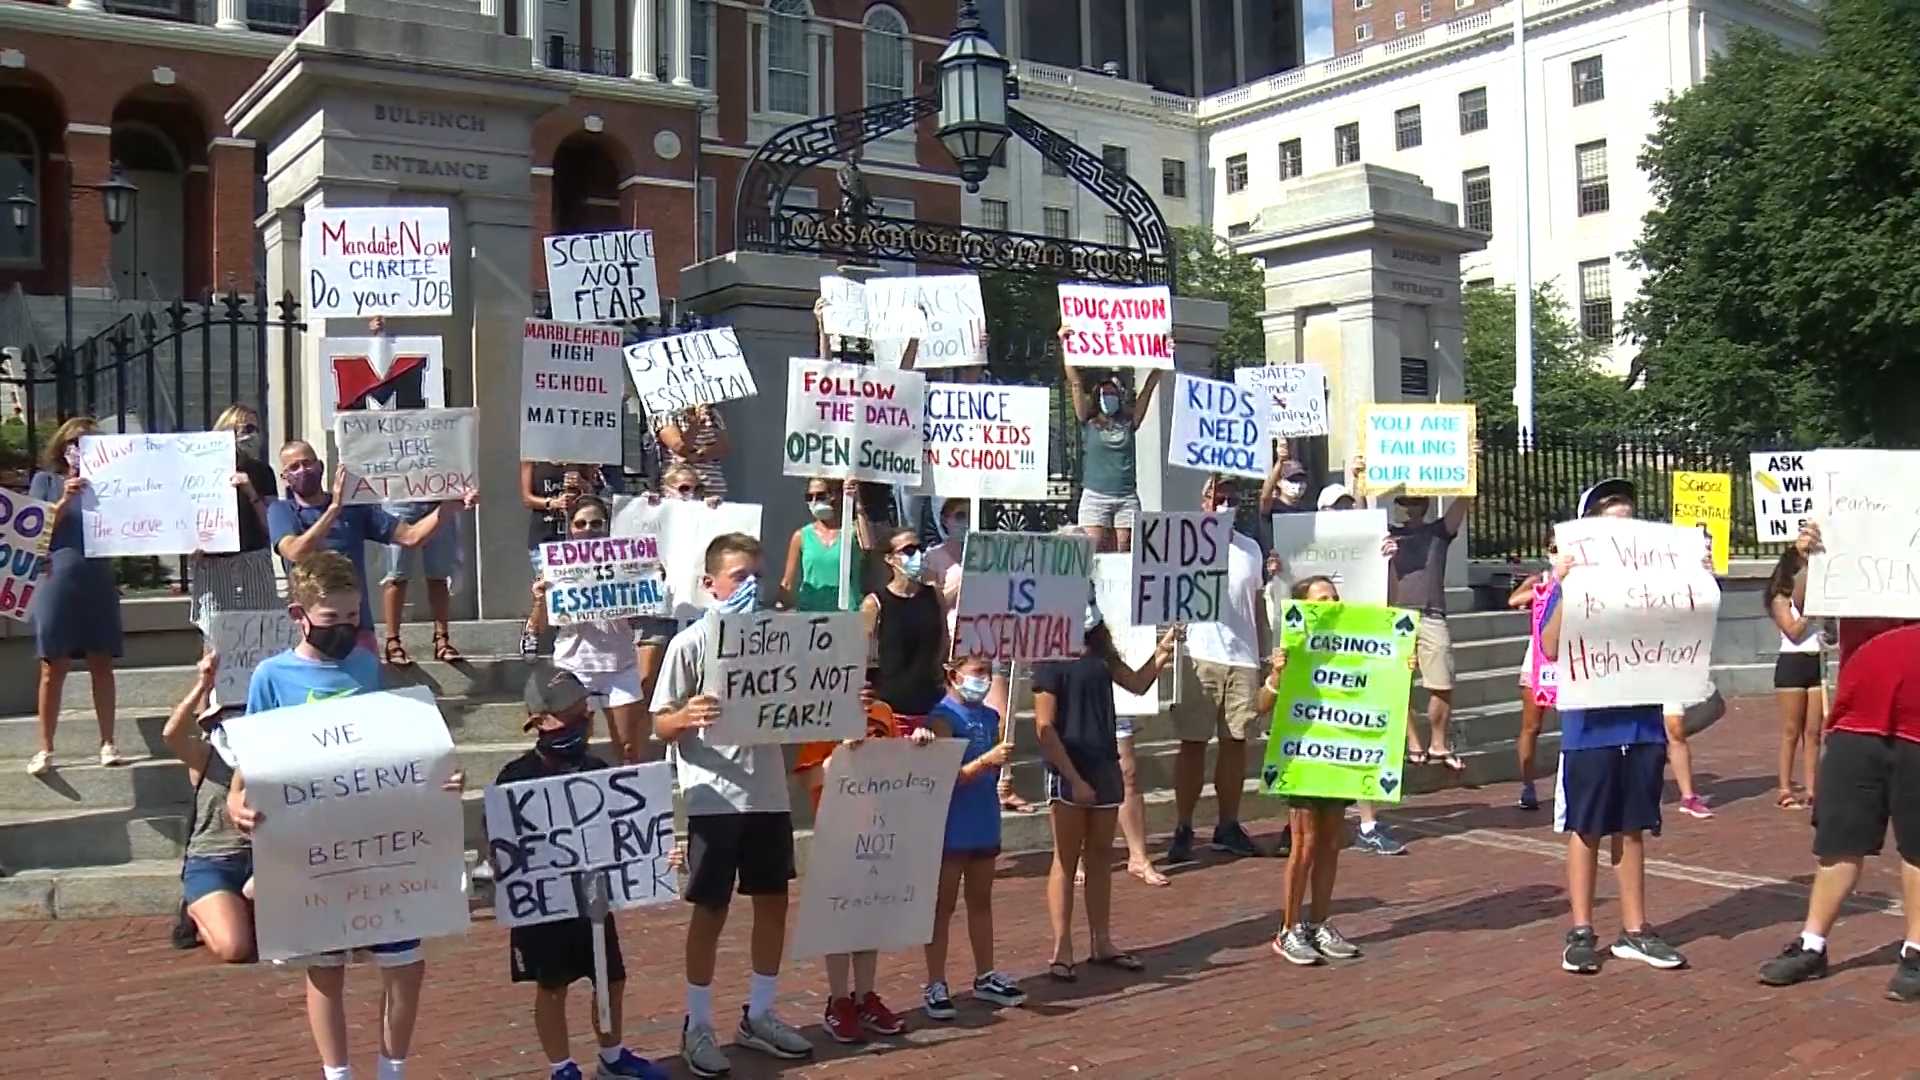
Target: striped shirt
698,437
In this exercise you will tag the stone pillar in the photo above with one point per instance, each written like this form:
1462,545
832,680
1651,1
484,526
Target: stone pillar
231,15
682,43
643,48
530,28
498,295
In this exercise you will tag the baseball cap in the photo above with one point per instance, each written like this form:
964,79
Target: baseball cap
1610,488
552,691
1332,494
1294,470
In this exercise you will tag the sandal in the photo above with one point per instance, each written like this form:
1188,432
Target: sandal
1014,804
1060,971
1123,961
1449,759
1149,876
1787,800
1416,757
395,654
443,649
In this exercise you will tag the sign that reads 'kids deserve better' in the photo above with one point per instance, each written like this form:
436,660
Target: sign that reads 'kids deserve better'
425,455
1419,450
1180,567
544,837
852,421
603,277
159,494
377,260
1023,596
614,577
1639,608
570,393
786,676
675,373
1340,721
1109,326
986,442
1219,427
26,532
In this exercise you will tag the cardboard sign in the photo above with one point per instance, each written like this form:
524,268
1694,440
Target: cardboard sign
682,530
944,311
1296,397
1543,676
570,393
242,639
1340,721
1419,450
617,577
358,844
603,277
1179,567
1023,596
26,532
1639,614
427,455
673,374
873,872
1869,565
853,421
986,442
1343,545
1219,427
1782,495
546,837
1705,501
159,494
786,676
845,314
377,260
382,373
1113,327
1112,591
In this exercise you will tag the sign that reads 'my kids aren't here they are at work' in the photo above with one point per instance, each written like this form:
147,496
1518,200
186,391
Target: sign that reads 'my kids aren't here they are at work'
418,455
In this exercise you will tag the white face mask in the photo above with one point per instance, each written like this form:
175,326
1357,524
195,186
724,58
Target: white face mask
1292,490
973,688
957,528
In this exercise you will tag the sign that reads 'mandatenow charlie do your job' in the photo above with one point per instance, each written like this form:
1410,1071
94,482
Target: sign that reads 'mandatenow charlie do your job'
614,577
544,836
1219,427
1180,567
417,455
1023,596
1340,721
1419,450
786,676
377,260
852,421
1638,613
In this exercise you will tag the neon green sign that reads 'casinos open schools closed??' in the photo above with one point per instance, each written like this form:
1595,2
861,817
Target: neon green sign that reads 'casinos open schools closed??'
1340,723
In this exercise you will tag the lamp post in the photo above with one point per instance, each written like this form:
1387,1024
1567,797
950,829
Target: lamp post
117,196
973,97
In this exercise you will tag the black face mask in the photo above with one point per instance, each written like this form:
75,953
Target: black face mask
567,743
333,642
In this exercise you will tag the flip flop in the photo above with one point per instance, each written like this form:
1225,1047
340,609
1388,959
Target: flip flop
1416,757
1062,972
1123,961
1451,760
1149,876
1787,800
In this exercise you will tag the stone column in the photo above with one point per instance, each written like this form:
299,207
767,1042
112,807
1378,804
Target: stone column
496,291
643,48
1281,330
231,15
1370,341
683,43
530,29
491,9
280,237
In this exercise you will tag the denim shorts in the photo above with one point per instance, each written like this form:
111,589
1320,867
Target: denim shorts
438,557
205,875
387,954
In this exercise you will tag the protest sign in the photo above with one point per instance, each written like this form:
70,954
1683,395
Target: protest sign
682,530
1542,674
377,260
1639,610
1418,450
546,836
1112,585
873,871
1782,495
1340,721
853,421
1296,396
358,843
1705,501
382,373
944,311
159,494
421,455
570,393
615,577
1023,596
1179,567
986,442
1111,326
786,676
242,639
675,373
603,277
1219,427
1869,564
26,532
1343,545
845,313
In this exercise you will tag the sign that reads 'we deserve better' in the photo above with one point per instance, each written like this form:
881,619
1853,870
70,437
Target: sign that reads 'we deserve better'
423,455
377,260
852,421
1639,608
26,531
1180,567
986,442
1023,596
1219,427
786,676
545,836
570,393
675,373
1419,450
614,577
159,494
603,277
1110,326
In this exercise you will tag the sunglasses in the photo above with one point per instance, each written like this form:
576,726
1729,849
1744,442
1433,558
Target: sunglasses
247,429
589,524
687,489
910,549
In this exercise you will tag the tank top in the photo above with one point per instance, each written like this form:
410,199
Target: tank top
1788,645
1543,675
911,635
1107,457
819,586
213,832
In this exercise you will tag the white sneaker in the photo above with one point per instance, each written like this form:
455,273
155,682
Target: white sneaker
109,756
700,1052
770,1035
38,764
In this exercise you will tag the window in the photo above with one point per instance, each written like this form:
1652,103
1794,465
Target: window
700,43
1236,174
1589,81
1050,167
1590,167
1108,31
1399,20
1462,5
1115,158
1240,228
993,214
1363,32
1426,10
1116,230
1346,144
789,71
1173,178
19,171
1050,33
1596,301
1406,128
1362,5
1476,197
1290,160
1219,47
802,196
1473,111
886,49
709,196
1056,222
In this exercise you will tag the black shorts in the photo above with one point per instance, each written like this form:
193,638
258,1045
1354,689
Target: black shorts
558,954
756,850
1867,781
1610,790
1108,783
1796,671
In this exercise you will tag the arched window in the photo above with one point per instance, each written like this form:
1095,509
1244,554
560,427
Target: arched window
19,172
887,50
789,68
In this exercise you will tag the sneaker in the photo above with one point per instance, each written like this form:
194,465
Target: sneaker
1285,847
570,1072
110,755
1795,964
1229,837
1646,946
937,1003
1379,841
769,1034
1529,799
1695,806
842,1021
38,764
629,1064
877,1018
1906,979
701,1054
1180,848
1000,990
1582,954
1332,945
1295,946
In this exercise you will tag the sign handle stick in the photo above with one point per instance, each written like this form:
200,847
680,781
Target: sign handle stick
1179,653
1013,695
849,536
597,913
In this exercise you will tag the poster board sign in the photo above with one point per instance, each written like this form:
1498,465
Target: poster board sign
358,844
1112,580
242,639
854,421
423,455
1179,567
1640,609
845,313
1117,327
1219,427
1704,501
1340,723
1782,495
614,577
1023,596
1869,565
1419,450
159,494
944,311
673,374
26,532
986,442
1543,675
873,871
1343,545
1296,396
546,836
786,676
377,260
682,530
382,373
603,277
570,393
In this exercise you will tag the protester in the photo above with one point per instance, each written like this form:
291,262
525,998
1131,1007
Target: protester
944,570
680,483
547,490
697,439
1109,418
76,612
438,557
603,654
1674,717
1530,594
813,578
218,868
1797,679
1417,578
241,580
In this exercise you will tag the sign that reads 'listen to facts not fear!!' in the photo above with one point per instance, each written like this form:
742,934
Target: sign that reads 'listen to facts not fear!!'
377,260
570,393
603,277
786,676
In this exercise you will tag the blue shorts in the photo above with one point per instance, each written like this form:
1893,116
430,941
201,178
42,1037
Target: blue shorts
387,954
438,557
1610,790
205,875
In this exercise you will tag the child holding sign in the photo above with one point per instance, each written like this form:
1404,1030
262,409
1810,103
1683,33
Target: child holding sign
603,654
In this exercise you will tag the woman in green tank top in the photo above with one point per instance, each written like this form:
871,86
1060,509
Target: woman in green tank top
1109,417
812,578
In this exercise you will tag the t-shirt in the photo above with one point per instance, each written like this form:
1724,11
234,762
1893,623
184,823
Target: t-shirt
1856,632
973,818
1879,686
349,535
1615,726
1235,639
1106,456
715,778
599,646
1085,718
1417,576
288,678
253,534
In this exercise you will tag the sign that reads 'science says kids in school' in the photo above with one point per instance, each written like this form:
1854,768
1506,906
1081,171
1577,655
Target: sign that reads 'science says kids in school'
570,393
853,421
603,277
545,836
1638,614
675,373
26,532
613,577
1023,596
377,260
1340,721
1783,495
423,455
1113,326
1180,567
986,442
1419,450
786,676
1219,427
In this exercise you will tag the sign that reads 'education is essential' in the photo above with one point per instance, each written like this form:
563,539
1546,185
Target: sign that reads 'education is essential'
985,441
1023,596
786,676
1340,720
675,373
1869,561
570,393
603,277
1783,495
1180,567
1219,427
1638,614
159,494
428,455
377,260
1419,450
613,577
546,836
1296,396
1113,326
26,532
854,421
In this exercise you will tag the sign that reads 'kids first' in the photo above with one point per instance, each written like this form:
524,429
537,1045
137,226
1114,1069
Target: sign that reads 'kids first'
544,837
613,577
1023,596
1340,721
1180,567
424,455
603,277
377,260
1639,608
1111,326
1783,495
986,442
1419,450
1219,427
570,393
786,676
853,421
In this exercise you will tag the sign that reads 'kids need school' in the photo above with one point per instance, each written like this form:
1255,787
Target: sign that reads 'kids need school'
1023,596
377,260
854,421
159,494
1180,567
675,373
1639,608
26,532
1783,495
424,455
1340,720
570,393
1111,326
612,577
603,277
1296,396
1219,427
986,442
1419,450
546,836
786,676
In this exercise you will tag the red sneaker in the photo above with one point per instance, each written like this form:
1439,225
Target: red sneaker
879,1019
843,1021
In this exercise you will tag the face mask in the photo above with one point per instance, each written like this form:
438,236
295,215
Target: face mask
1292,490
333,642
973,688
1109,404
912,565
745,598
569,743
822,510
249,445
304,482
957,529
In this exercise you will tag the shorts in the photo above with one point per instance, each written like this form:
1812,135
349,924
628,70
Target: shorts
1123,727
1526,666
1216,700
1610,790
969,854
1107,511
1316,802
1109,786
1867,782
558,954
1797,671
437,557
1433,651
654,631
613,688
205,875
387,954
754,851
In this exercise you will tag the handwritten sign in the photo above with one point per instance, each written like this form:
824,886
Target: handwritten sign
1112,592
852,421
986,442
546,837
1342,545
786,676
427,455
1542,674
159,494
242,639
26,531
1639,614
1108,326
1870,565
1179,567
1023,596
358,844
1219,427
603,277
1340,721
1782,495
570,393
1296,396
682,530
616,577
382,373
672,374
873,872
377,260
1419,450
944,311
1705,501
845,314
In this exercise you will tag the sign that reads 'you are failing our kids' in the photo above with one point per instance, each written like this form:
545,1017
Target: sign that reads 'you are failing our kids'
1418,450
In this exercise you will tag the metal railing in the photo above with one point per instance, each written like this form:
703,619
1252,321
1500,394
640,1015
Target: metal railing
563,56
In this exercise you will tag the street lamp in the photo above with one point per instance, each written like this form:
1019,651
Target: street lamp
973,98
116,197
20,209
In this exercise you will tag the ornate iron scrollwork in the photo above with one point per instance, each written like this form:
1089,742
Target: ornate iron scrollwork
798,147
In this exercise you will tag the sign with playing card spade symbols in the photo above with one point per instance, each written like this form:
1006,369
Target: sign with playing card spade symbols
1340,718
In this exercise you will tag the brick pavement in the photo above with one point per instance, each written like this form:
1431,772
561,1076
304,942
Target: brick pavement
1460,975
